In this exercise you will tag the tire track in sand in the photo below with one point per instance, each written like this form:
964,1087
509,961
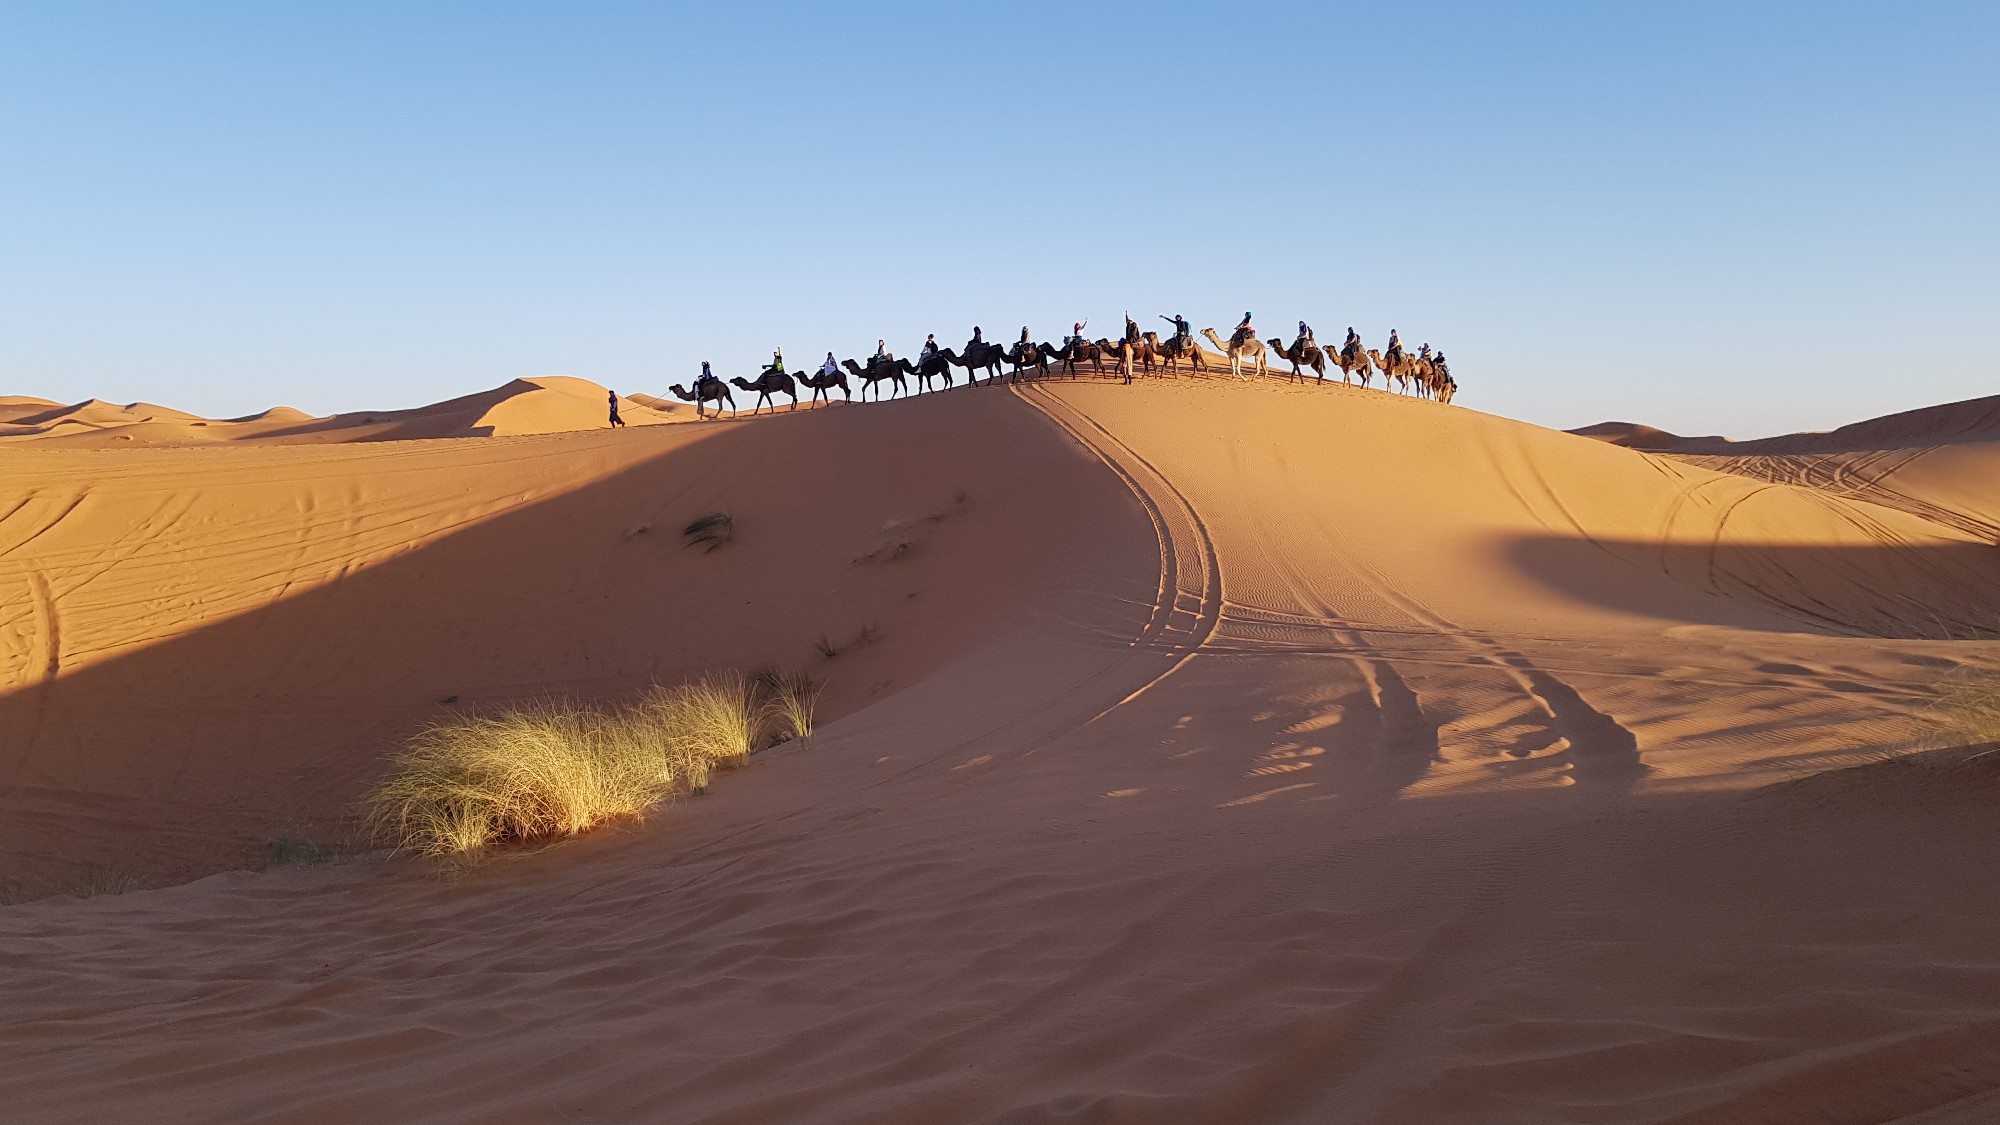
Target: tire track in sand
1188,603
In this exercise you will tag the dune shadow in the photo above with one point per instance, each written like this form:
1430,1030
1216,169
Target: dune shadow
1938,591
182,750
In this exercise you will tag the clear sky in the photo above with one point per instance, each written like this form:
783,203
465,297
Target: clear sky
1711,217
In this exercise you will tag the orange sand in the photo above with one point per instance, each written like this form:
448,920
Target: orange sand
1227,753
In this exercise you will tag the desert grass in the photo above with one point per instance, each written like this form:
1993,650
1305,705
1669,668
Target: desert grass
548,770
1967,706
789,700
704,725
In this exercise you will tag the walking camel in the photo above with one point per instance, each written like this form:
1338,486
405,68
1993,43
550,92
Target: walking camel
716,389
819,382
878,370
1305,351
768,384
1238,348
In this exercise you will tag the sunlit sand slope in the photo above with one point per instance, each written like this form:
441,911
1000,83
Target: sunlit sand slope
1258,753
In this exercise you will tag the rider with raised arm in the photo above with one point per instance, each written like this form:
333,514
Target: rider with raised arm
1076,333
1180,325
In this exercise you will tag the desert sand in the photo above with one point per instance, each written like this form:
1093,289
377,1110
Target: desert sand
1196,751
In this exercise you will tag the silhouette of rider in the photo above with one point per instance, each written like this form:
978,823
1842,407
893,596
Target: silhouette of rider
977,341
777,362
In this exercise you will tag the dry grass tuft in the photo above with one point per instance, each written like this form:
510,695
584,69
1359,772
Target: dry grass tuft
1968,706
707,724
553,769
789,700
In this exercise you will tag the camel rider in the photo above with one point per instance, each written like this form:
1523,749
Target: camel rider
830,367
1353,344
1024,341
978,341
1180,325
881,353
929,349
1395,345
1243,329
707,377
777,362
1076,331
1424,352
1306,333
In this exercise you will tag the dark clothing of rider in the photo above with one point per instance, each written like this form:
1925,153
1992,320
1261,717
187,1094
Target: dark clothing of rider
1180,326
1243,330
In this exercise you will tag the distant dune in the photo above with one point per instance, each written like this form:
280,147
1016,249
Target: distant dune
544,405
1192,751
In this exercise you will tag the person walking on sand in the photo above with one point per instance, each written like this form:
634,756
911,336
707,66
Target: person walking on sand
616,421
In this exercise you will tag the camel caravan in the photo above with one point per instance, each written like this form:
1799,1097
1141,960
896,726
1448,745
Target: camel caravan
1423,374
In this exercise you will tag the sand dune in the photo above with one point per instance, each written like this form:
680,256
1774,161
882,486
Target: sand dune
1226,753
545,405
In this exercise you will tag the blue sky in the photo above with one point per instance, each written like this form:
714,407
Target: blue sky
1738,218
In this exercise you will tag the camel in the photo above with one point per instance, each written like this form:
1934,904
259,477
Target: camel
1304,351
768,384
820,382
1237,349
1027,354
1176,348
1397,367
1125,350
878,370
1077,349
714,389
1352,360
938,366
980,355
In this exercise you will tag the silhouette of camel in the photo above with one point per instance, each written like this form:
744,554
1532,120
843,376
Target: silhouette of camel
716,390
878,370
819,382
768,384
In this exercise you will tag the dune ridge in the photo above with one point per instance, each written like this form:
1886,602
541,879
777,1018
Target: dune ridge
1224,752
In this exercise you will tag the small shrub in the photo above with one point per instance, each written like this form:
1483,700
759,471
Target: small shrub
713,529
790,699
553,769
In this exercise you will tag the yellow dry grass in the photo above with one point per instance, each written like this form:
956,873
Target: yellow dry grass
1968,706
556,769
789,700
552,769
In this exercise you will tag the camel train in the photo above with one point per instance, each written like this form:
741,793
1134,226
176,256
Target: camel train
1423,375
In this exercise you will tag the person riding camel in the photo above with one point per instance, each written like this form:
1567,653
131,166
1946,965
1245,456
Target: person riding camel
702,384
1306,333
1244,331
1180,325
881,353
1076,332
830,367
1424,352
929,349
1353,345
1395,348
777,362
977,342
